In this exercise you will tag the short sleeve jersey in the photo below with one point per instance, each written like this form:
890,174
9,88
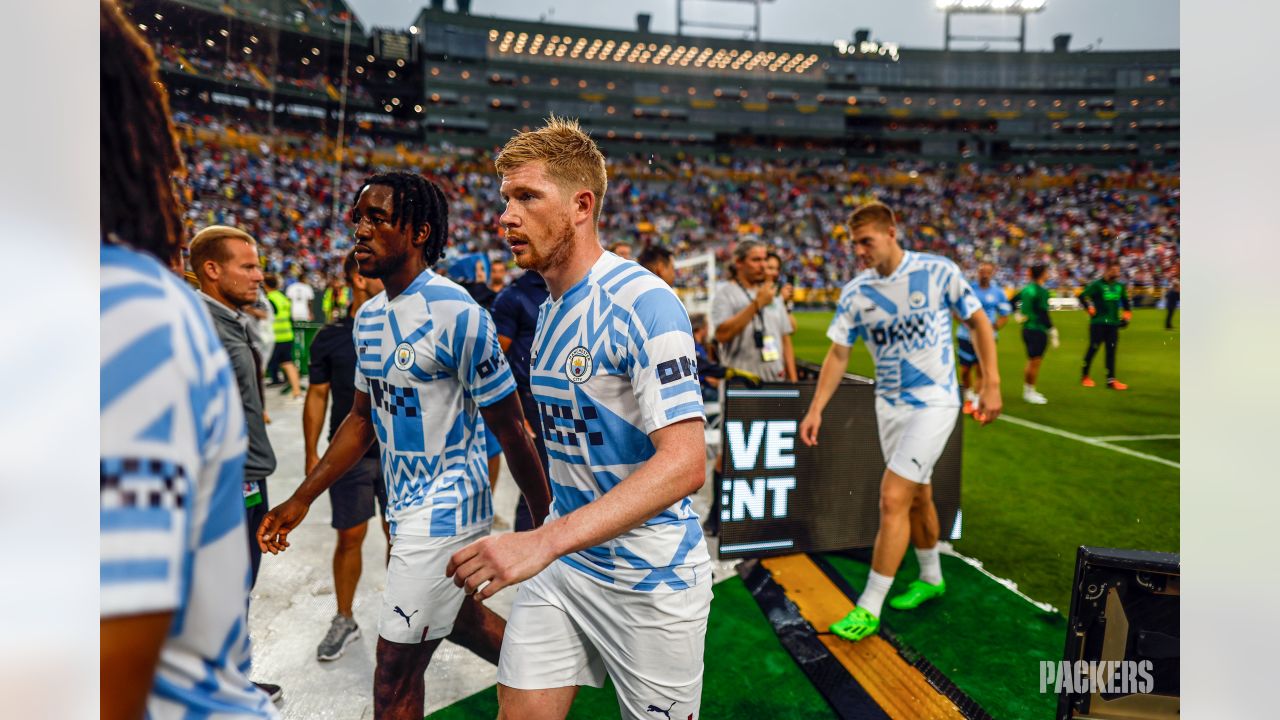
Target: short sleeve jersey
613,362
994,302
429,360
171,472
905,320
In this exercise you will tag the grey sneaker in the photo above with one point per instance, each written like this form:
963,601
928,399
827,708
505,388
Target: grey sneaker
342,632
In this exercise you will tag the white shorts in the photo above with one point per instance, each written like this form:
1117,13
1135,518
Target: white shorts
420,602
567,629
913,438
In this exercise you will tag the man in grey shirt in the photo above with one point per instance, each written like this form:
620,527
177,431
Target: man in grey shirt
225,262
753,331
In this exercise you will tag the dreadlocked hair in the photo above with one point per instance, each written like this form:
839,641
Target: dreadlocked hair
140,157
416,201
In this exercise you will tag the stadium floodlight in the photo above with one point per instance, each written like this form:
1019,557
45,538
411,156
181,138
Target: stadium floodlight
1020,8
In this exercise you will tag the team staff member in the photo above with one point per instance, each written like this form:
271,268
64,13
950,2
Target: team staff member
352,497
1037,333
1107,303
430,378
901,307
282,353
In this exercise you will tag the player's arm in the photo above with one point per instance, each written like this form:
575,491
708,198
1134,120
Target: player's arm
1086,300
506,419
676,470
1124,302
128,651
833,367
313,413
983,337
349,444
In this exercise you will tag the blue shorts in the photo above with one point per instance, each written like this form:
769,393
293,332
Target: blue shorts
965,353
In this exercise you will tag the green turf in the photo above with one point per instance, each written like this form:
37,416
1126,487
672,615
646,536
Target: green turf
747,672
987,641
1031,498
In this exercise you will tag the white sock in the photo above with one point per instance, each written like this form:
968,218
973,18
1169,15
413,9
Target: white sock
930,565
872,598
1028,389
970,395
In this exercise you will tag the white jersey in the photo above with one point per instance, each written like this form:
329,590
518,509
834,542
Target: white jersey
905,319
300,296
429,360
613,361
171,473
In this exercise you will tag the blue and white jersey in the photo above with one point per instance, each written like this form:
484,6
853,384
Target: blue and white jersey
905,319
429,360
613,361
993,301
171,474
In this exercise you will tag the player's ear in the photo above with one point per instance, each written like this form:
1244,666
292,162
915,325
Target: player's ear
421,238
584,203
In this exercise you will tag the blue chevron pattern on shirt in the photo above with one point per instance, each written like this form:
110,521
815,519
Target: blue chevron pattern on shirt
429,360
905,320
613,361
171,473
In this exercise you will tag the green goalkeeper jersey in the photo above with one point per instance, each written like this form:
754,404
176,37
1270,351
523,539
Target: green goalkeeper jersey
1107,299
1034,302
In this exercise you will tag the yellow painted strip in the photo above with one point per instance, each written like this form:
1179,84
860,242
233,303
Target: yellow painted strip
703,104
755,106
899,689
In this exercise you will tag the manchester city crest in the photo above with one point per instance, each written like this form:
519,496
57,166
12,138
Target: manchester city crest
578,368
917,300
404,356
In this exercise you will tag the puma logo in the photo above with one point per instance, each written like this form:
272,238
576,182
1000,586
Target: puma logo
406,617
917,462
656,709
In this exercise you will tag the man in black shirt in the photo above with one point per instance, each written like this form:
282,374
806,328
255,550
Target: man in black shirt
333,367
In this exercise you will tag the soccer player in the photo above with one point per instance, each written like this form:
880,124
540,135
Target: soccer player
618,581
1107,303
174,568
1037,333
430,378
901,306
996,305
352,497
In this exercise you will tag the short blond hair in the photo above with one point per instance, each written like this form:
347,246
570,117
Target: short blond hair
211,244
572,158
873,212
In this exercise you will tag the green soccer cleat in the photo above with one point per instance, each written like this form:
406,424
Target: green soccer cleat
859,623
918,593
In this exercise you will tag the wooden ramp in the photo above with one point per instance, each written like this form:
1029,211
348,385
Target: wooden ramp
882,676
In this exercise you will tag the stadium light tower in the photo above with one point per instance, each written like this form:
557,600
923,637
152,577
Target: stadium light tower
1021,8
753,28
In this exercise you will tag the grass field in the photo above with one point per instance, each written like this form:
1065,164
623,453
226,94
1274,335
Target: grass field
1032,497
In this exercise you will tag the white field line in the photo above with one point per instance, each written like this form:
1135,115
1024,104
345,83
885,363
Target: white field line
1135,438
1096,442
945,548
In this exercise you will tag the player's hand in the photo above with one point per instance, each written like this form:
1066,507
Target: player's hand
492,563
989,404
1091,310
809,428
1127,315
1054,341
310,464
765,295
274,531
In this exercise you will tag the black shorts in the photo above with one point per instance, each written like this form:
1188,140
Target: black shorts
965,352
353,494
283,353
1099,334
1036,341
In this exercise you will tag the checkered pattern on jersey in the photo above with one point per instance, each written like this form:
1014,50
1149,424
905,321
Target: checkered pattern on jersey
405,408
559,424
142,483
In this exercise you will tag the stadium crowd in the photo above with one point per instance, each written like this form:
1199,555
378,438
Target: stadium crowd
1073,219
